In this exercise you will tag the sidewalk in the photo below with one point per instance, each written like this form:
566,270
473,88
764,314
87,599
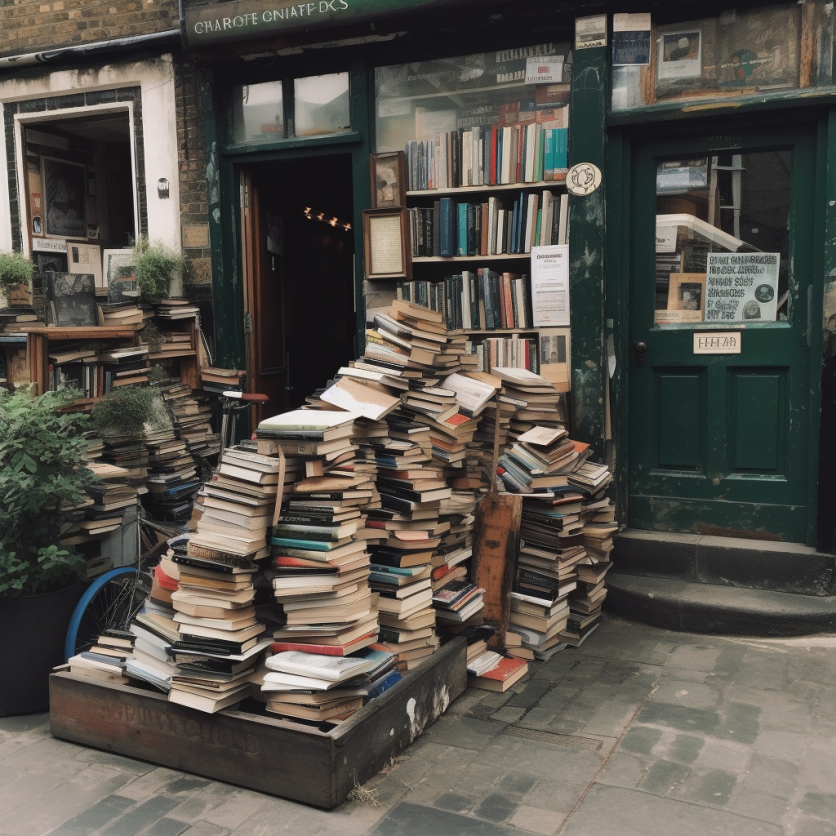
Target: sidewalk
640,731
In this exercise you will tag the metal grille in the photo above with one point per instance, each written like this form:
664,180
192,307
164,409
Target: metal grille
570,740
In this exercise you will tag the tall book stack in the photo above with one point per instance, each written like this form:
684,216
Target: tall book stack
173,480
215,620
537,401
191,414
320,566
131,455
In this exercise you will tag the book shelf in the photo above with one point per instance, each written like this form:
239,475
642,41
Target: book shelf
39,337
428,259
505,187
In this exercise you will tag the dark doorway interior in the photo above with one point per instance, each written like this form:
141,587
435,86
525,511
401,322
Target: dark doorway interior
303,305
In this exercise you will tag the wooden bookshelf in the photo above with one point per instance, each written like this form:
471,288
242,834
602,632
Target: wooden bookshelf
505,187
439,258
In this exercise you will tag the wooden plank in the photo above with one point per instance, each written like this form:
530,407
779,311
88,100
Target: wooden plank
98,332
246,749
262,753
494,552
389,724
807,46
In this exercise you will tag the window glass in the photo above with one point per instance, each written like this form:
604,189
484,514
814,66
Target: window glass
257,112
322,105
722,242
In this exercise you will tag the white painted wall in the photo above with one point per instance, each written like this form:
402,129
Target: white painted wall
159,122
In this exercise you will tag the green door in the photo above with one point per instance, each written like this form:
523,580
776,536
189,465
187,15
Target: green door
722,254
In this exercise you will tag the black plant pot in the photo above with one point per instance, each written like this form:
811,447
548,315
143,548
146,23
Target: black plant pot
32,631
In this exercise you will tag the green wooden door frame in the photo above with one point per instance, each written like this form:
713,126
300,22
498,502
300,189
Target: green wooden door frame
224,162
621,142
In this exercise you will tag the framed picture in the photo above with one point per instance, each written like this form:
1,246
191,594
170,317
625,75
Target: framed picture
686,293
388,180
386,244
119,275
65,198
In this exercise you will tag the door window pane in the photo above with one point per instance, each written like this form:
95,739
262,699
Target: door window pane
722,243
257,112
321,104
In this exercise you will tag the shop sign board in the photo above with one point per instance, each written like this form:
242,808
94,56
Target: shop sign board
246,19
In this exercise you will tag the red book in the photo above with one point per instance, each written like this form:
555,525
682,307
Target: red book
502,677
327,649
165,581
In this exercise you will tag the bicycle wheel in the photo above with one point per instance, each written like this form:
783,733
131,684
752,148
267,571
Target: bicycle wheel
109,603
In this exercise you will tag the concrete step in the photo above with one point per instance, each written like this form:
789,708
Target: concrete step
726,561
712,608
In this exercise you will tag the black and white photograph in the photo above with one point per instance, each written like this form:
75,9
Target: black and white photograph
65,190
680,55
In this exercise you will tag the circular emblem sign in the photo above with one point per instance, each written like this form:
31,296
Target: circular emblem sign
583,178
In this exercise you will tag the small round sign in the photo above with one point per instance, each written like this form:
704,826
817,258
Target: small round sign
764,293
582,179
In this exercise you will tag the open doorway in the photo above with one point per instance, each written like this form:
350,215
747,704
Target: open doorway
298,249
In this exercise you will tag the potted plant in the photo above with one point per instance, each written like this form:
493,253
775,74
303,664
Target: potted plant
42,476
130,411
15,277
156,266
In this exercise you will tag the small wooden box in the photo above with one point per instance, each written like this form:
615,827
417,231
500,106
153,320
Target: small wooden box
261,753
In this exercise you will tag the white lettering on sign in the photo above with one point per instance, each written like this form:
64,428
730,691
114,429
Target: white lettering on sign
253,19
718,342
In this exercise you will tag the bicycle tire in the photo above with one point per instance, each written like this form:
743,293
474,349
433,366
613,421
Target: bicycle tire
98,610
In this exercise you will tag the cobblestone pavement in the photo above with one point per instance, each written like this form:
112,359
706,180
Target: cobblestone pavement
640,731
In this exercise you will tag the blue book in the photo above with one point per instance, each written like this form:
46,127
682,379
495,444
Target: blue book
384,685
548,164
461,244
311,545
561,157
447,235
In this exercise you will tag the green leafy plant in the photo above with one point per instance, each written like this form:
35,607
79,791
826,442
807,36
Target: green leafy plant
155,266
129,410
15,269
157,374
42,475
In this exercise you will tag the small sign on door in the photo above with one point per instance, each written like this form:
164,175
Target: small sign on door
718,342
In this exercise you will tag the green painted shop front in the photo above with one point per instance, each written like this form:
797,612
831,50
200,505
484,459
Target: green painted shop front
732,445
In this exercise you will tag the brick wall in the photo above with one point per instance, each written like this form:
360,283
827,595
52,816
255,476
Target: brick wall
194,211
32,25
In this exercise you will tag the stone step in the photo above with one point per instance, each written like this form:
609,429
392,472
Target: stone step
725,561
712,608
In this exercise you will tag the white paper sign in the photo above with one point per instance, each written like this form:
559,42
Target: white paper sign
550,286
666,239
718,342
631,22
48,245
547,69
742,287
590,31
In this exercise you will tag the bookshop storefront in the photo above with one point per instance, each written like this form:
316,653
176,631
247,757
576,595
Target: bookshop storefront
696,351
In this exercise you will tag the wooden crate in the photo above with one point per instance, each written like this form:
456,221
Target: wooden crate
261,753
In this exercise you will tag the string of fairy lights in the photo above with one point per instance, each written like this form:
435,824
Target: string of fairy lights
312,215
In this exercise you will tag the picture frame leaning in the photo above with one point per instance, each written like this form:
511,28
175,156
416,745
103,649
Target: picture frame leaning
65,198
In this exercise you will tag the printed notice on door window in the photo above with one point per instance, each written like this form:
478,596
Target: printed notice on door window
550,286
742,287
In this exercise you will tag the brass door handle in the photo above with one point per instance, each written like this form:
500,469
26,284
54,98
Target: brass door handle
641,349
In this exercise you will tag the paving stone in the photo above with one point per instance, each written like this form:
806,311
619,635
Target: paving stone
771,776
237,808
677,717
189,810
820,805
113,760
818,769
94,817
534,690
714,788
663,777
740,722
695,657
535,820
687,694
203,828
685,748
508,714
813,827
188,783
641,739
755,805
609,810
554,794
465,732
24,723
496,807
785,745
7,775
516,782
623,770
610,720
538,718
454,802
166,827
143,815
406,819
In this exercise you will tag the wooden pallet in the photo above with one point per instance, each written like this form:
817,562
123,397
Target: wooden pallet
262,753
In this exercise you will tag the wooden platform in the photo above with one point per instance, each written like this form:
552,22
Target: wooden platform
261,753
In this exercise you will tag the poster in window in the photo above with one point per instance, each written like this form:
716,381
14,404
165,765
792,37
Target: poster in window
680,55
65,198
388,180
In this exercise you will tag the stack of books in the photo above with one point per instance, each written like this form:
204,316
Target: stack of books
215,619
218,381
121,314
17,318
326,689
175,308
493,672
130,454
191,414
173,480
542,459
537,401
93,372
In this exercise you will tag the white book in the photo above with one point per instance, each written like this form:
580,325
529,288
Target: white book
466,318
441,142
563,222
331,668
499,244
522,314
548,214
506,155
308,419
467,158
